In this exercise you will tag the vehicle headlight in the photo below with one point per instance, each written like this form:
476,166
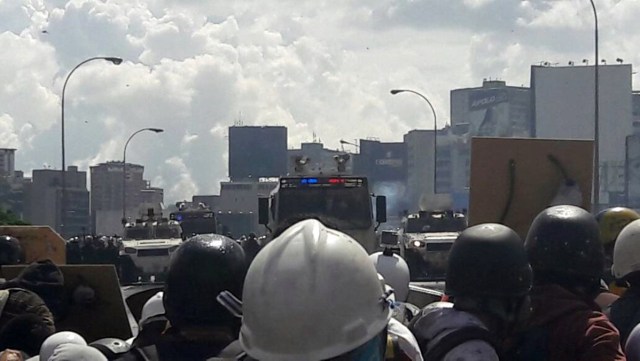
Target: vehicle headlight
418,244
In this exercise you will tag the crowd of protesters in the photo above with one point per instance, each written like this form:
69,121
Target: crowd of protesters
569,290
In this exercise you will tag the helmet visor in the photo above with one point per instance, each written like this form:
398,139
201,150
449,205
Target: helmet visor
372,350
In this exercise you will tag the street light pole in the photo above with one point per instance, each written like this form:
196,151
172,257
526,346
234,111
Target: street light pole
435,132
596,125
124,169
63,200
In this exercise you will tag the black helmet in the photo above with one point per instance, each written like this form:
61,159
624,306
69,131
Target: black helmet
10,251
201,268
488,260
564,242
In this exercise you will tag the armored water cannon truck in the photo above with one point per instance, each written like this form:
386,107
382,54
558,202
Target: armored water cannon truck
343,201
194,218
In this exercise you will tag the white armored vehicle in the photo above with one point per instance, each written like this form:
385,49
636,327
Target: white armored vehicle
146,248
425,240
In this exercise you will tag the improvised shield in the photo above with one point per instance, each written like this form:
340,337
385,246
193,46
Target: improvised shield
96,307
512,180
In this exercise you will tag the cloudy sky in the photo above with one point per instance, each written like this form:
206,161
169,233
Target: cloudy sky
195,67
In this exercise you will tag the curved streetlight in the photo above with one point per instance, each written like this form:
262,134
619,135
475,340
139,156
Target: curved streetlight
435,132
596,125
124,169
115,61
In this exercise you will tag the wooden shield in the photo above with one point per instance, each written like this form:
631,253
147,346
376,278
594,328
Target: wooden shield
38,242
512,180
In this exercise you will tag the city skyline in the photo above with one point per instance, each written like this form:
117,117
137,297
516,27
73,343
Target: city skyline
325,69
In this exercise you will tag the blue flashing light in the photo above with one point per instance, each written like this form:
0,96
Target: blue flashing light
309,181
179,217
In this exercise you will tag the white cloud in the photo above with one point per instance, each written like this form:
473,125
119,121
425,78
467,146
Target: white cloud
8,133
185,187
193,68
188,138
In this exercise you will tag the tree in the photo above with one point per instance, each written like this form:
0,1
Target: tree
7,218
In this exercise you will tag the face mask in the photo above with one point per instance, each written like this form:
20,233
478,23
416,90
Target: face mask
373,350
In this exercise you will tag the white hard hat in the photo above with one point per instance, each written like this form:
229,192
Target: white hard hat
311,294
57,339
395,271
632,346
626,252
68,352
153,307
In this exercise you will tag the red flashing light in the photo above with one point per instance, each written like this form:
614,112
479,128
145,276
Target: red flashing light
336,181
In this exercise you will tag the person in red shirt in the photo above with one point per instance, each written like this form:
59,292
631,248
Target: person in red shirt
566,324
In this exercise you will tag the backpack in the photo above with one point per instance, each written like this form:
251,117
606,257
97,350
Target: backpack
531,345
458,337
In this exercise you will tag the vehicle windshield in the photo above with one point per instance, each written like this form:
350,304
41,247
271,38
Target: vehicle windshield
436,222
168,231
350,208
138,232
196,222
431,264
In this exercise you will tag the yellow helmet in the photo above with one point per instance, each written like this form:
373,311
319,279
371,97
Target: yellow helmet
612,221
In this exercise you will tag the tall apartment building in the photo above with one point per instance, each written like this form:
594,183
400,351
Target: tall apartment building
257,152
106,195
421,165
385,166
44,205
107,183
564,108
11,184
7,161
492,110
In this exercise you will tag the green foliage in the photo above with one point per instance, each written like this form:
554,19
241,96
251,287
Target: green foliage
9,219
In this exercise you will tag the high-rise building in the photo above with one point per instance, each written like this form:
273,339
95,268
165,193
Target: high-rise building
7,161
106,195
564,105
421,192
45,200
257,152
106,186
492,110
564,108
11,184
385,166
